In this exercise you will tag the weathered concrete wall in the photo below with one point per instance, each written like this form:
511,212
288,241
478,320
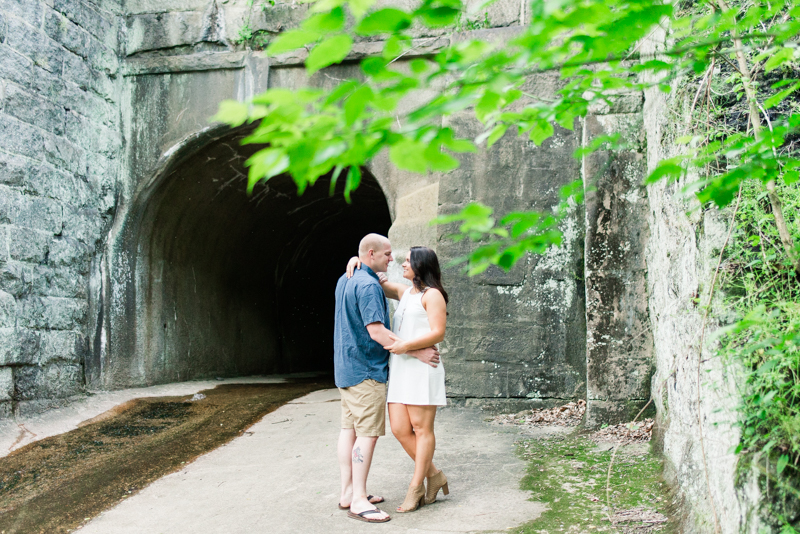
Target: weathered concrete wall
59,160
690,388
517,337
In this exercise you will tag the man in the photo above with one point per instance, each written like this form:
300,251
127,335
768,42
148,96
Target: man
361,367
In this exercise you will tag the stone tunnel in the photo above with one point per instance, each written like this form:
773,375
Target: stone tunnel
230,284
135,256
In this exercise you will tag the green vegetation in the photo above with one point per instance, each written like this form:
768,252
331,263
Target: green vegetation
255,39
569,474
733,99
465,24
765,343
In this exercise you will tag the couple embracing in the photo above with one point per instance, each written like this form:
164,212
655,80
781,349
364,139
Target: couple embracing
363,342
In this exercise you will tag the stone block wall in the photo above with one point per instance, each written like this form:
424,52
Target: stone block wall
59,155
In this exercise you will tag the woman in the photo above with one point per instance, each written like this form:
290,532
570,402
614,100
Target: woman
416,388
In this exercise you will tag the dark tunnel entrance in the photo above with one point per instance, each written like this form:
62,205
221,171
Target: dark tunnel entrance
244,285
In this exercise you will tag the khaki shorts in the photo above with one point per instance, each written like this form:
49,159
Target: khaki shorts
364,408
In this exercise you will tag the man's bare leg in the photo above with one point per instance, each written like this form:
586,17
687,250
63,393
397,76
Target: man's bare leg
361,459
344,450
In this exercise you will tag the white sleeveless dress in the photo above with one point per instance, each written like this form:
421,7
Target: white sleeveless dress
410,380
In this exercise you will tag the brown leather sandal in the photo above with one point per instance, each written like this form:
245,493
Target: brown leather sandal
361,517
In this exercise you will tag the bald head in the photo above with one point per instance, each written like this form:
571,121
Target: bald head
376,252
374,242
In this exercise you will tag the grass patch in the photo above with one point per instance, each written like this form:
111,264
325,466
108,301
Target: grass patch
568,473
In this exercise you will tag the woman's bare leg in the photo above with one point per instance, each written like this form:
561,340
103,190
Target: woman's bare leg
403,430
421,418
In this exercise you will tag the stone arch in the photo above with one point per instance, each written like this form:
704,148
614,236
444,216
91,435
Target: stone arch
221,284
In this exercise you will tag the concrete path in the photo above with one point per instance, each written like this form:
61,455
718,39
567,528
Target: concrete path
282,477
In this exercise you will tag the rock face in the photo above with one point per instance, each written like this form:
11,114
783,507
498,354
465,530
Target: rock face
132,255
695,395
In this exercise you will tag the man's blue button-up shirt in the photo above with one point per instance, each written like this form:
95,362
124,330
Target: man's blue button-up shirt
356,356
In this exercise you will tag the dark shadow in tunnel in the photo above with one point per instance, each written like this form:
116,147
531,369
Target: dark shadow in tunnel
244,285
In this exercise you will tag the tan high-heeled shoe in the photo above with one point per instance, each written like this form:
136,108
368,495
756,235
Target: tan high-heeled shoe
436,482
414,499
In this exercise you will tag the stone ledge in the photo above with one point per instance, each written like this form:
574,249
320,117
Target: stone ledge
184,63
236,60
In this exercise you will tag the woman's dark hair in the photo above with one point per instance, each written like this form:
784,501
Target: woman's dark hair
426,269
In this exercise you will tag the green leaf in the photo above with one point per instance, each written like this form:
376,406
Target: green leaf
779,58
776,99
354,106
292,40
409,155
360,7
331,50
373,66
665,169
285,97
418,66
541,131
265,164
496,133
388,20
783,461
446,139
507,260
395,46
231,112
791,177
342,91
438,16
489,103
476,210
352,182
439,161
328,151
334,178
330,22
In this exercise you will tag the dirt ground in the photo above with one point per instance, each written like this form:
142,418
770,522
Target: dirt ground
55,484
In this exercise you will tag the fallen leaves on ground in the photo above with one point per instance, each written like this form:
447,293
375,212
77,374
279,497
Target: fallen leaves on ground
570,414
639,514
648,520
625,433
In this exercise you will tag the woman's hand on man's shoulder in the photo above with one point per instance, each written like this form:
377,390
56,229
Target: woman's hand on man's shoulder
352,265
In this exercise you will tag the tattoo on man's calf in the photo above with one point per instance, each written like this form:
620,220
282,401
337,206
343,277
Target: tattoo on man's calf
358,458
